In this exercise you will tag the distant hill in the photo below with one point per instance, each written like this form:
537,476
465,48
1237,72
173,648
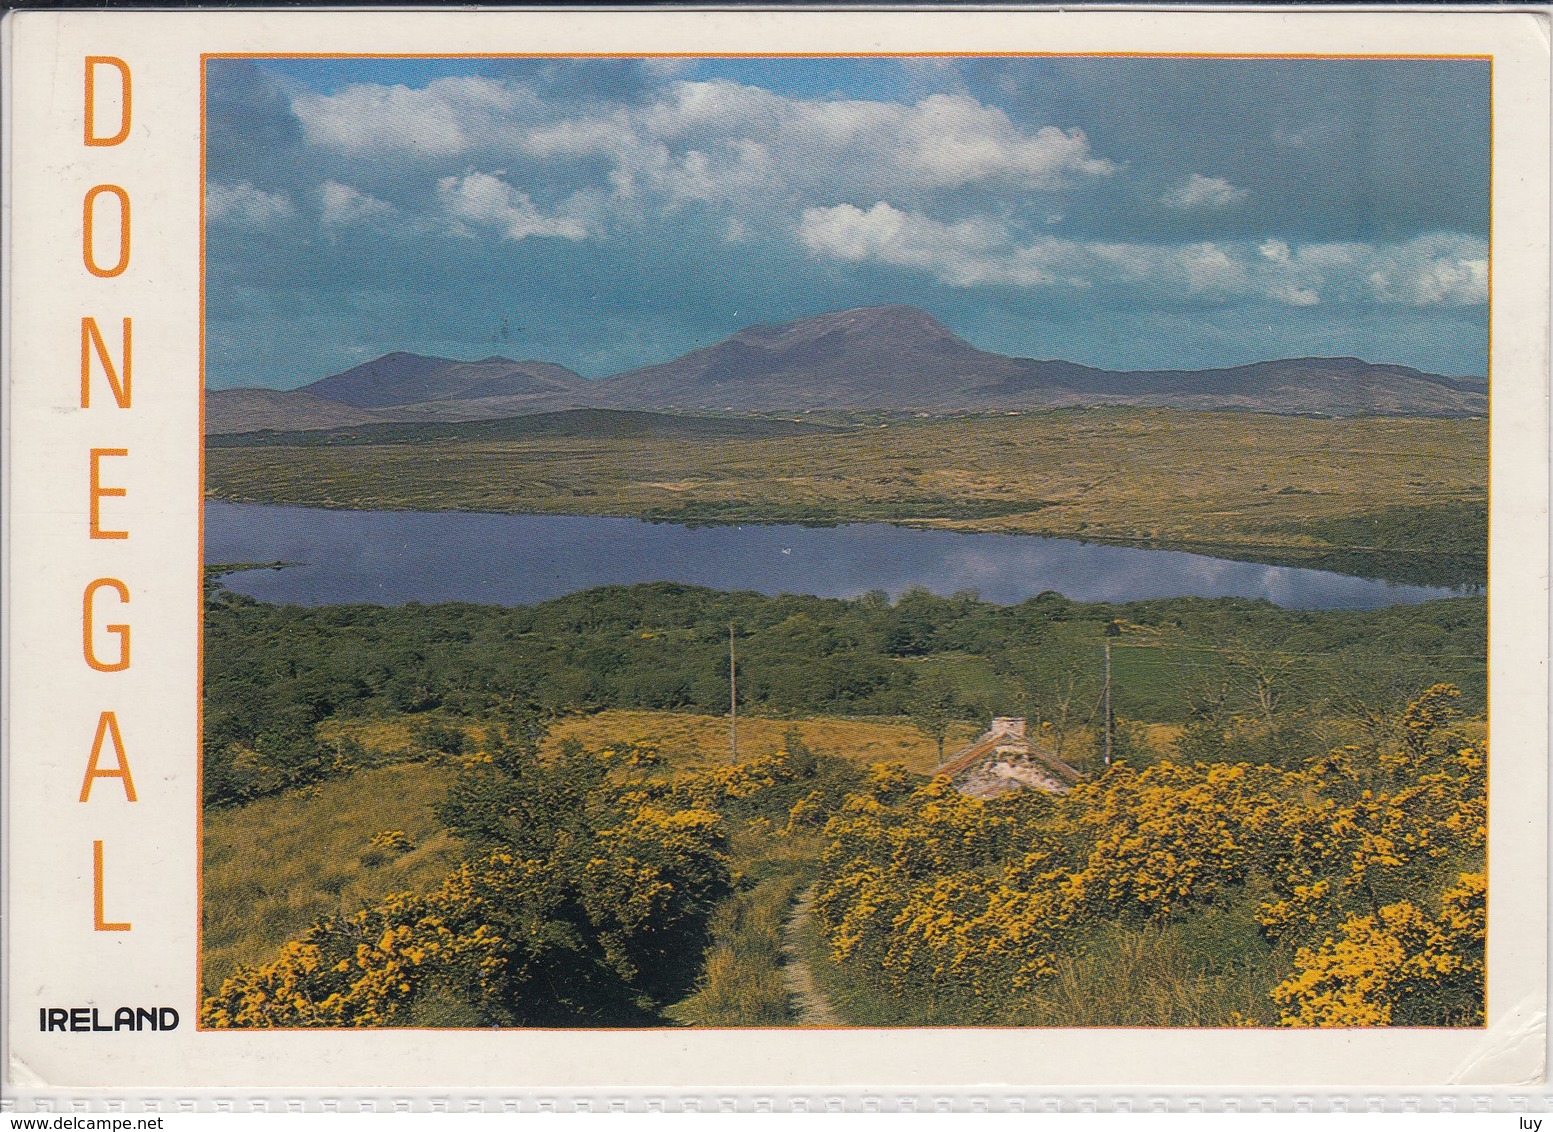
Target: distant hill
410,379
1336,387
401,387
572,424
869,358
890,359
901,358
241,410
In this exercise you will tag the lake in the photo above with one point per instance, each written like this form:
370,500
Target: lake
391,557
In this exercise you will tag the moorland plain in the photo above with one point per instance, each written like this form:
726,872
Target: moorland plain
1403,498
425,739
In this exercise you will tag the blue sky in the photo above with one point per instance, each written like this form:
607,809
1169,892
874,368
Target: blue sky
604,214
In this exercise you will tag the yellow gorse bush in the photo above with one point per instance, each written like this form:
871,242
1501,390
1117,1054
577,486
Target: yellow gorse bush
591,917
939,894
392,840
362,970
1377,966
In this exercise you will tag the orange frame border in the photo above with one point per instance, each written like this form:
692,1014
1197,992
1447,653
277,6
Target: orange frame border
205,60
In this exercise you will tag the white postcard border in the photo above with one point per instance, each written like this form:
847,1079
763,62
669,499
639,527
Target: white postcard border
53,700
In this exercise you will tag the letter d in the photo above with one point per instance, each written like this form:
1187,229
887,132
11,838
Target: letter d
92,136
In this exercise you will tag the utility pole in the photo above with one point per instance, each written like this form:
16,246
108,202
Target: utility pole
1108,701
733,699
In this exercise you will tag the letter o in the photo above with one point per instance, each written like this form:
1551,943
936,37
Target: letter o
88,210
88,628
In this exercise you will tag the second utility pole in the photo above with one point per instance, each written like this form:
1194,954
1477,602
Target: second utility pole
733,699
1108,701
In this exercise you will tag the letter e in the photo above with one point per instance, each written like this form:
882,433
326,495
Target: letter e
96,491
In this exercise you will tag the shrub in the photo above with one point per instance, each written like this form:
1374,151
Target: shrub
582,903
965,908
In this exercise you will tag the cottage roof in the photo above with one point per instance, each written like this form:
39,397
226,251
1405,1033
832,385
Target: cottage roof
1007,737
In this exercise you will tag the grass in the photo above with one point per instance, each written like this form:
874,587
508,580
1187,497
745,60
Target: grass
1244,484
1211,971
694,741
689,740
742,983
276,865
273,867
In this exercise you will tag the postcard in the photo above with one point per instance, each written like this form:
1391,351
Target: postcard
775,548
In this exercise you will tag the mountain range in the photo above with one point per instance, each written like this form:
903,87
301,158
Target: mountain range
889,359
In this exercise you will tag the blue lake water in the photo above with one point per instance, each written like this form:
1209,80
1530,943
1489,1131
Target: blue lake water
391,557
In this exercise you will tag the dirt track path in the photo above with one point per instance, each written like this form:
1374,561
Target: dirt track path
810,1007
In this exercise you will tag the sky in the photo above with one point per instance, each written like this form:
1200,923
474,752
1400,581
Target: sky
606,214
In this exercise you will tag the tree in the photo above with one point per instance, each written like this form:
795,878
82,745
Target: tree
933,708
1059,678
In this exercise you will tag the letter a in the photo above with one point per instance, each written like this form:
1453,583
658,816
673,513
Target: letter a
108,727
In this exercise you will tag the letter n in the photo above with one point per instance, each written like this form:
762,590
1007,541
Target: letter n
118,377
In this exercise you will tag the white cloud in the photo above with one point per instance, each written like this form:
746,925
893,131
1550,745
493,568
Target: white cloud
1199,193
1444,269
243,205
446,117
342,205
755,137
771,162
963,254
479,200
1439,270
714,140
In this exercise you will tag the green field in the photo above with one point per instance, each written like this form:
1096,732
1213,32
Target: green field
274,866
277,865
1400,498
